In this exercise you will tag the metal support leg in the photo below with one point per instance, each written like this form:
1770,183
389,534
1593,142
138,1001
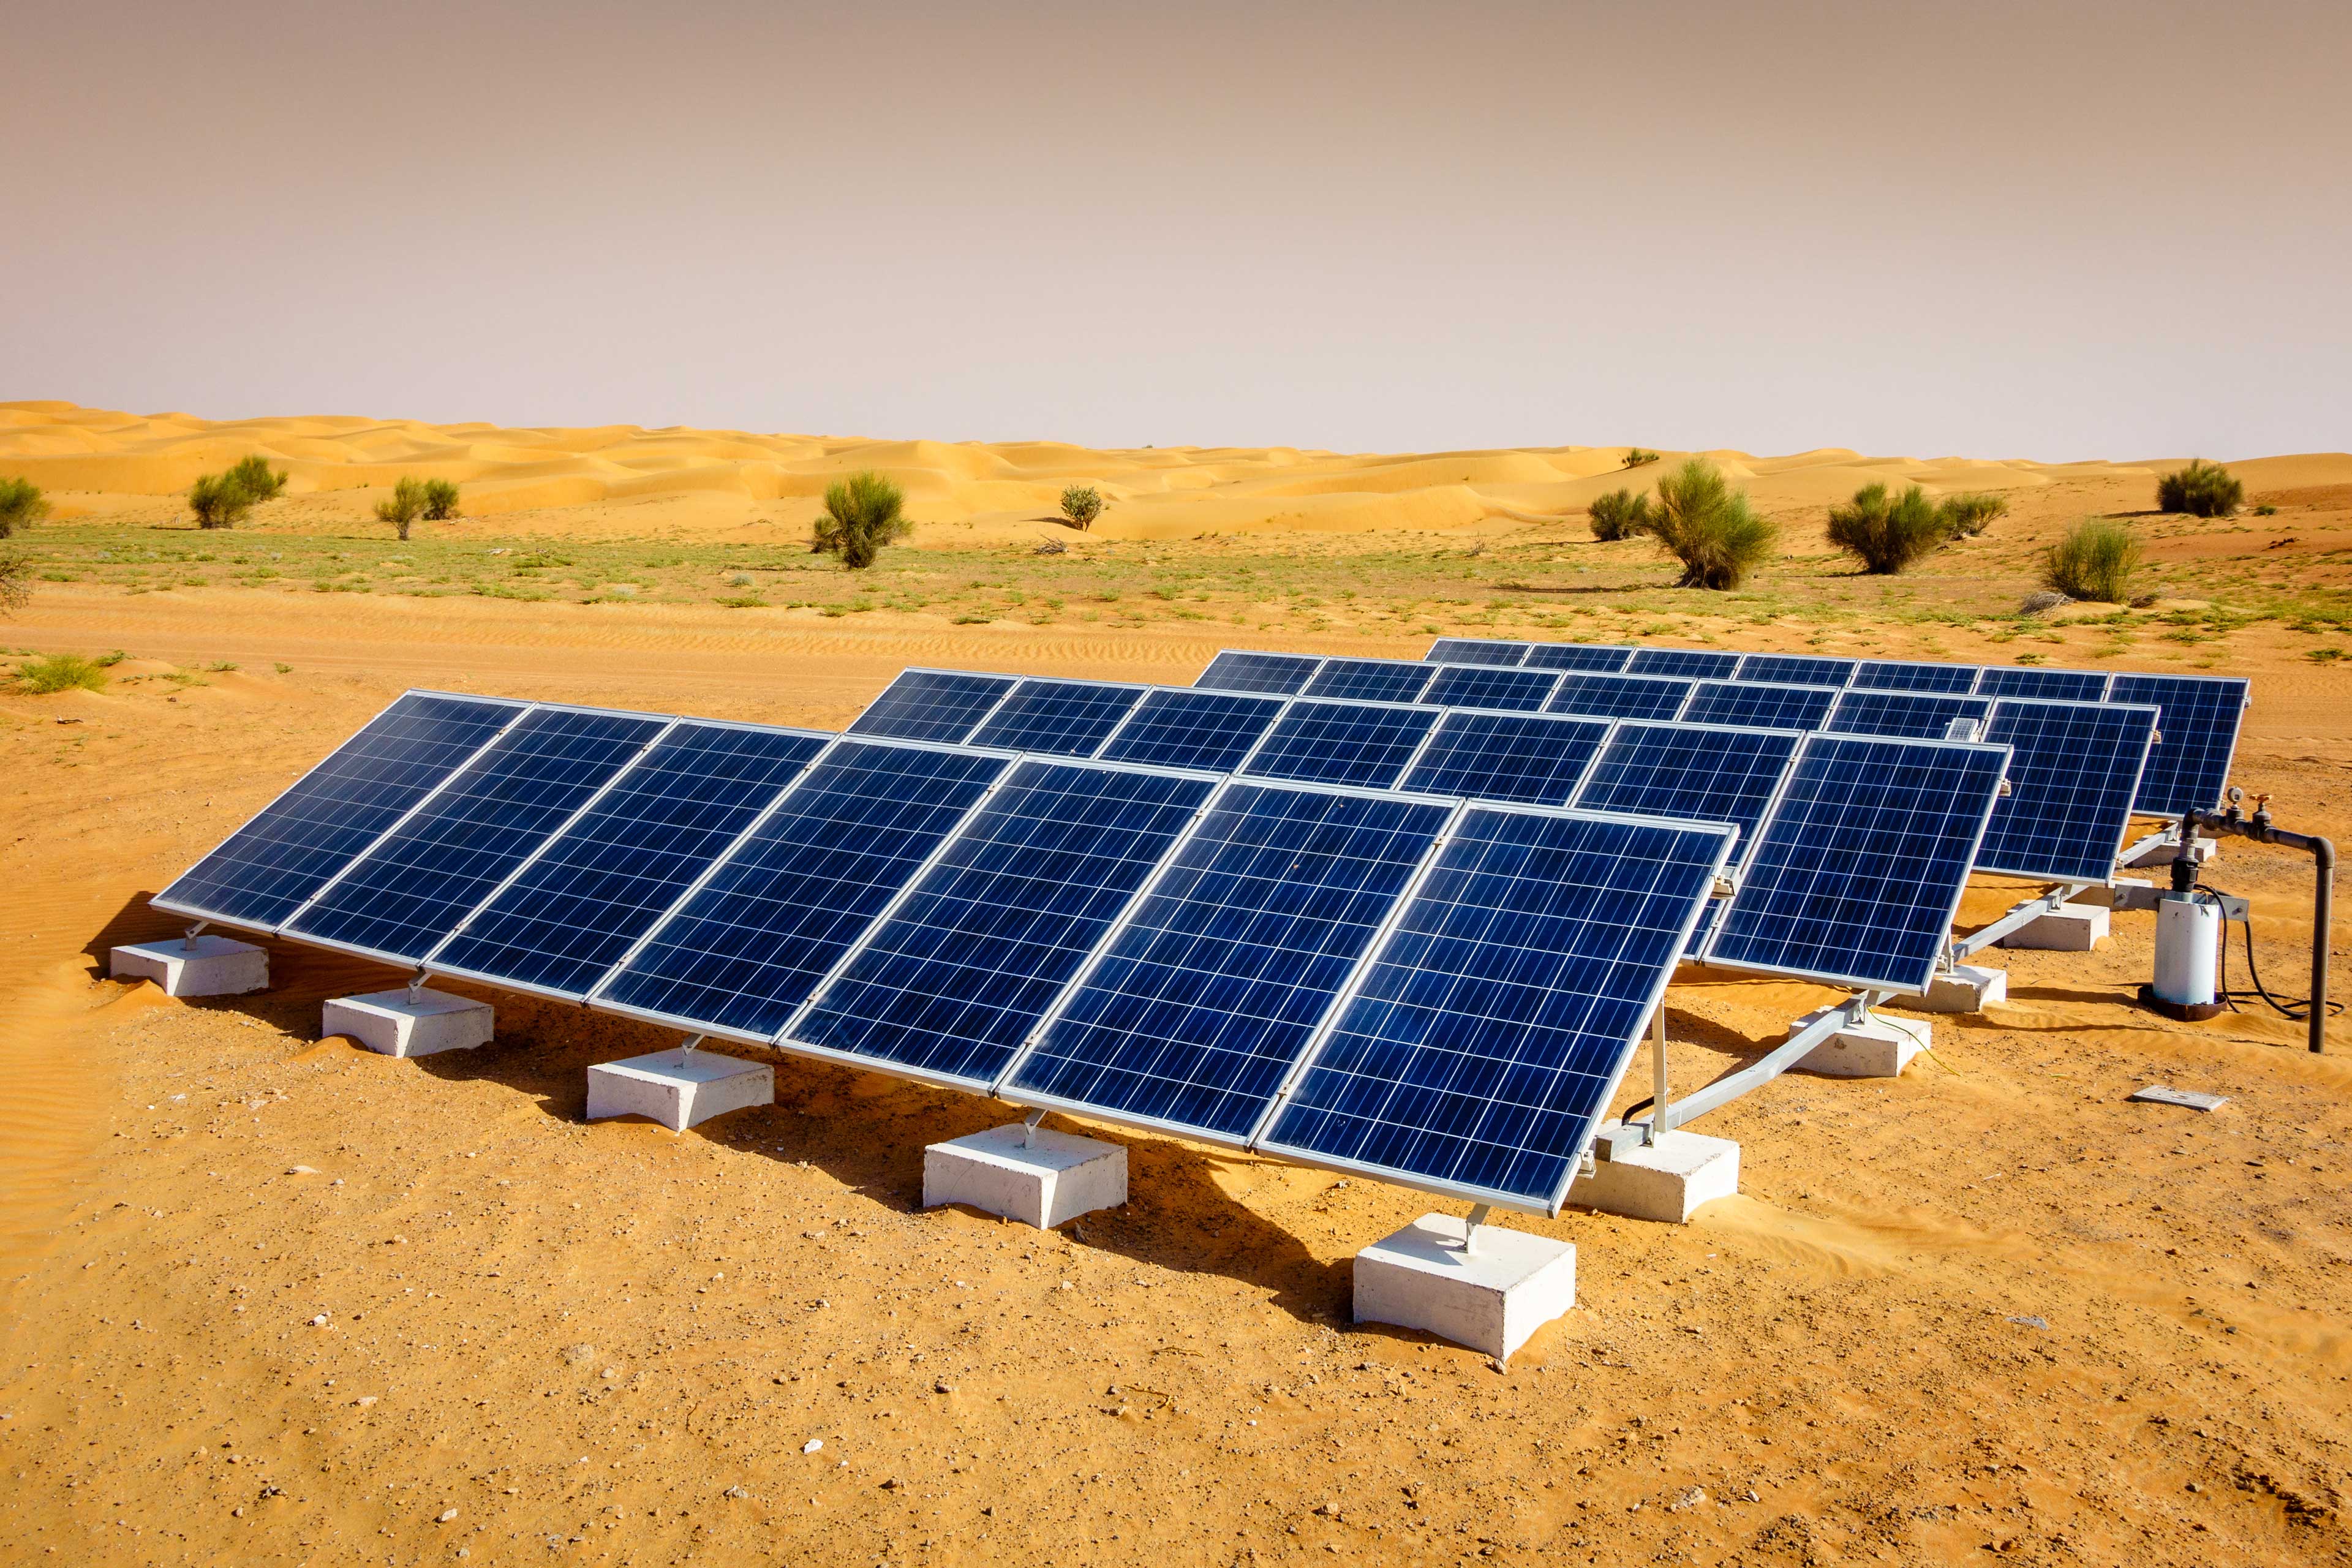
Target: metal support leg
188,942
1657,1074
1029,1128
1471,1227
686,1048
416,987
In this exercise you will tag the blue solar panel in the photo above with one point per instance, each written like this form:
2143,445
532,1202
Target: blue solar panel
952,984
2053,685
1797,669
1364,744
1189,728
573,913
1857,872
1532,758
1692,772
943,705
1619,696
745,951
401,897
1370,680
2073,768
1758,705
1474,650
1897,675
1060,717
2199,736
1920,715
1598,657
1483,685
1205,997
1697,663
1482,1046
1280,673
286,853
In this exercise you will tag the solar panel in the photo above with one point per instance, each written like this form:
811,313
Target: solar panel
1281,673
1474,650
1761,705
1060,717
741,955
2073,768
1485,686
1898,674
576,910
2054,684
1189,728
949,986
1533,758
1364,744
400,898
1697,663
1922,715
1480,1047
1370,680
1693,771
1619,696
266,869
943,705
1206,994
2199,733
1857,870
1598,657
1797,669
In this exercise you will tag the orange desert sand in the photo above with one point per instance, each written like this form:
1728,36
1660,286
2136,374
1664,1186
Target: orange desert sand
271,1298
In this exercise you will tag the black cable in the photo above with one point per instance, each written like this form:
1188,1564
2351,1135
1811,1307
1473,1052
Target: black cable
2299,1010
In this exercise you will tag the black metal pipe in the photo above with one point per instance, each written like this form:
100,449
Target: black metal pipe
2322,851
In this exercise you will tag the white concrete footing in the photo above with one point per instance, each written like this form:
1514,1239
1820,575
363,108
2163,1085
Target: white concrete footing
1047,1179
1875,1048
678,1089
388,1022
1662,1181
2077,928
208,966
1491,1300
1966,988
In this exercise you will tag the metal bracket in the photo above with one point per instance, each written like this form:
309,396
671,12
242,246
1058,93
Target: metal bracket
188,941
2234,908
416,986
1471,1227
686,1048
1029,1129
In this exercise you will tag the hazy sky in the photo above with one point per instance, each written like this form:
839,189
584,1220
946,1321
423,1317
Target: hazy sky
2056,229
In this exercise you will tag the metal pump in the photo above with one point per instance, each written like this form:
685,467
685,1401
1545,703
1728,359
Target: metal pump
2190,925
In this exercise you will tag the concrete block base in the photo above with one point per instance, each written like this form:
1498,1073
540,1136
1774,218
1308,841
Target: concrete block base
2166,854
2077,928
1875,1048
1491,1300
388,1022
678,1089
1049,1179
1662,1181
1967,989
209,966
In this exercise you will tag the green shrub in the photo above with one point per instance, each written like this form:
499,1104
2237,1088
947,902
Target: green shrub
255,476
1885,532
1082,504
1710,527
22,504
61,672
1620,514
2266,510
440,500
16,583
1637,456
223,500
2096,561
863,513
403,506
2200,489
1966,516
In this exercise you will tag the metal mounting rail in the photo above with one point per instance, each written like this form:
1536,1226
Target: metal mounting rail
1644,1125
2049,902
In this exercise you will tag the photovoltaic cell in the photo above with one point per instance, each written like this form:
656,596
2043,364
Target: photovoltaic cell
1856,873
1597,657
1619,696
2199,733
1343,743
1207,995
943,705
1476,685
952,982
269,867
1693,773
1898,674
1060,717
1797,669
408,892
2053,685
1280,673
1474,650
1370,680
2074,769
1485,1039
1759,705
1190,728
746,949
1920,715
576,910
1532,758
1697,663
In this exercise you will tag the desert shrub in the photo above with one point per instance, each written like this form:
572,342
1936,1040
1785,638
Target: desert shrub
2200,489
2266,510
862,514
440,500
223,500
1710,527
2096,561
16,583
1637,456
60,672
1620,514
403,506
1966,516
22,504
254,475
1887,532
1082,504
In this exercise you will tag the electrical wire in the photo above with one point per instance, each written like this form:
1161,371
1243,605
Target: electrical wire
2297,1009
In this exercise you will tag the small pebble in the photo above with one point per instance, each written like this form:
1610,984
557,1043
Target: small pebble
814,1445
447,1514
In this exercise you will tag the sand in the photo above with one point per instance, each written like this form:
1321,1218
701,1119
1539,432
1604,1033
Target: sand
269,1299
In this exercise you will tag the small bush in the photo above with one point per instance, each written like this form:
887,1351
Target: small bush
1082,504
2096,561
1885,532
2200,489
16,583
1710,527
2266,510
1620,514
1637,456
403,506
223,500
440,500
22,504
255,477
863,513
61,672
1966,516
